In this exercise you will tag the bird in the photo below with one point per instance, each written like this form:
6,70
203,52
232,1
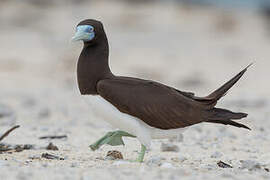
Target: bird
139,108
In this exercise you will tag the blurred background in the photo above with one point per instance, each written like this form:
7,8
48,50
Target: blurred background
193,45
190,44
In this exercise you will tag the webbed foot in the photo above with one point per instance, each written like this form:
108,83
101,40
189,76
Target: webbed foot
113,138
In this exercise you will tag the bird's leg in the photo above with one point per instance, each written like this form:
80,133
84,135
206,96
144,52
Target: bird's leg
113,138
141,154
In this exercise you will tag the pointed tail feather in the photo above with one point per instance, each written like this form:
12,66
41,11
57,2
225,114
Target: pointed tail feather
231,123
217,94
224,116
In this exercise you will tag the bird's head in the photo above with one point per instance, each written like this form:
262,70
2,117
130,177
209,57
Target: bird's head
88,31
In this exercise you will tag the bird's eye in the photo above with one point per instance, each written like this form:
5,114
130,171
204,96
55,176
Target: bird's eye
85,28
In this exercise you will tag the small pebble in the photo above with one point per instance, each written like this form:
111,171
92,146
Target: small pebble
223,165
28,161
53,147
5,147
28,146
51,156
113,155
19,147
165,147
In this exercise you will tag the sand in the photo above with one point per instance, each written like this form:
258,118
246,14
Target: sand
190,48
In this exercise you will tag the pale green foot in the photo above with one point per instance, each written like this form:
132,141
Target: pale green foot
141,155
112,138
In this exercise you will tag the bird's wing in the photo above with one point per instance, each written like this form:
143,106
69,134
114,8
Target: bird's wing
191,95
157,105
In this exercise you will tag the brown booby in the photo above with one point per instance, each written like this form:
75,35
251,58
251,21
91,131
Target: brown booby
141,108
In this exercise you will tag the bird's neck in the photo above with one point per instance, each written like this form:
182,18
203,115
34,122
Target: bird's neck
93,66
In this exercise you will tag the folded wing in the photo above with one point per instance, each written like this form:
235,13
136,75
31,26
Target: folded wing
157,105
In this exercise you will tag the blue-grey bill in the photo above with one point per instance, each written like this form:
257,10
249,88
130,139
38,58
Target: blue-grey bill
80,36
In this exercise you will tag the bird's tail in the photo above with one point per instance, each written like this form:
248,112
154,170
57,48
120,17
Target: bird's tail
220,92
224,116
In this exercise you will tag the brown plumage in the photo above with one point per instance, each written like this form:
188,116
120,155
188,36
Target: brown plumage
158,105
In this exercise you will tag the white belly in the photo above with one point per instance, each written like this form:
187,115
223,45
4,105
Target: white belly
126,122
